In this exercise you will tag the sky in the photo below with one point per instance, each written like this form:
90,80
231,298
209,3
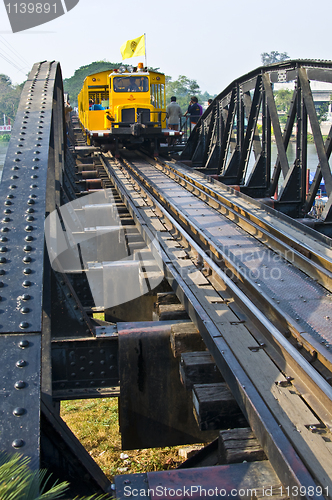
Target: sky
211,41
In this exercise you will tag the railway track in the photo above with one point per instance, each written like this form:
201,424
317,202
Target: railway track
273,357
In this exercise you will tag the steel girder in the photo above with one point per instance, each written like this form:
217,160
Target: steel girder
29,190
233,138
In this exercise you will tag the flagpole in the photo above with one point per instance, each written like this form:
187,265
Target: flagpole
146,61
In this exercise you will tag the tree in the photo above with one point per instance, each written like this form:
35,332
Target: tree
323,112
9,97
273,57
283,98
183,88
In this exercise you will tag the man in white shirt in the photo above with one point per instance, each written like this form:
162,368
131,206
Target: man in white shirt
173,113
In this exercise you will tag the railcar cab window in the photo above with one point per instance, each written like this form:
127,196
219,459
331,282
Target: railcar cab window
131,84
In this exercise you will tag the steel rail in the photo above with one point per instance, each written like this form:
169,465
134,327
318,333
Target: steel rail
313,379
286,322
279,450
303,253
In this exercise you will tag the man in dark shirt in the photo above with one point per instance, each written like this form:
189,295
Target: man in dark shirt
194,110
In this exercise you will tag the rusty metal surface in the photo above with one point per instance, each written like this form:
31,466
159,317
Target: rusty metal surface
155,409
233,481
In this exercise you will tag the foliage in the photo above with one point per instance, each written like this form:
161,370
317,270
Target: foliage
9,97
183,88
273,57
4,137
323,112
19,482
283,98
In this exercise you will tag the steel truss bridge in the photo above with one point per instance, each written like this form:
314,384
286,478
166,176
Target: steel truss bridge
230,343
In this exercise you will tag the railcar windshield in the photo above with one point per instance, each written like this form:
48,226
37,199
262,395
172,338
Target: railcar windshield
131,84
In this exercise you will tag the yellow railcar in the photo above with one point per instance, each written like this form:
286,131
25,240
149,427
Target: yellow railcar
122,107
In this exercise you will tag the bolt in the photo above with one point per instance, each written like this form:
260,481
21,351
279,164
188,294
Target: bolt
23,344
21,363
18,412
20,384
17,443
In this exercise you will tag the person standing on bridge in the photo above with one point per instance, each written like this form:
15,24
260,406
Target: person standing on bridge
173,114
194,111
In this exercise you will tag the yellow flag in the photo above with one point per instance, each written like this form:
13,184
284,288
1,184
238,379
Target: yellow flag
133,48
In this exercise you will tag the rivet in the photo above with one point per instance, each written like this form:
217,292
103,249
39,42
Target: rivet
28,228
30,210
4,229
25,310
26,259
12,186
26,297
3,260
29,238
34,176
23,344
21,363
17,443
7,211
17,159
8,203
19,411
24,325
26,283
26,270
1,284
30,218
15,167
2,272
27,248
10,196
35,159
15,176
33,186
20,384
32,196
3,249
36,166
6,219
31,202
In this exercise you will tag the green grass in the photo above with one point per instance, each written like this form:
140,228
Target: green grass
95,423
